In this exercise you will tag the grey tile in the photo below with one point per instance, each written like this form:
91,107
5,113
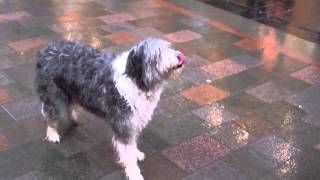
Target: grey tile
214,115
275,148
23,109
178,129
215,171
231,135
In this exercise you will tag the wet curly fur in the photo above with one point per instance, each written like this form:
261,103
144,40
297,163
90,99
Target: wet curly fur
123,89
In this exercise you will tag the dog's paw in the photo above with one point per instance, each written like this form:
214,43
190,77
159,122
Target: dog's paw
140,156
52,135
133,174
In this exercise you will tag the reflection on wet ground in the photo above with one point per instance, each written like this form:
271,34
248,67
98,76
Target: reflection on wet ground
246,106
297,17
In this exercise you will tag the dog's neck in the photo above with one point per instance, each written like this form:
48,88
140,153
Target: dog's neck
141,102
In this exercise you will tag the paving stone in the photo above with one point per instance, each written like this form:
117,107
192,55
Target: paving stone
196,152
214,115
215,171
204,94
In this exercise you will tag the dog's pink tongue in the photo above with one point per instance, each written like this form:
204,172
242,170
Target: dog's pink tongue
182,58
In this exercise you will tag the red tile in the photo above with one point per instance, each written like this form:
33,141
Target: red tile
14,16
204,94
117,18
224,68
69,17
121,38
196,152
4,97
317,147
183,36
4,143
310,74
27,44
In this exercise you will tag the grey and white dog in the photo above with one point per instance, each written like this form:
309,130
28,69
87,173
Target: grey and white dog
123,89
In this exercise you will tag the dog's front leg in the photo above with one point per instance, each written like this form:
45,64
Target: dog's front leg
128,158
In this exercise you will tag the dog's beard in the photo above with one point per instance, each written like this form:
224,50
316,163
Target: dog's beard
175,73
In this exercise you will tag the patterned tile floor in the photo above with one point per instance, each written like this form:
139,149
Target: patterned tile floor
246,107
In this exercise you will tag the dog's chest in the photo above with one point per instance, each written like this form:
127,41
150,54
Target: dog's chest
141,103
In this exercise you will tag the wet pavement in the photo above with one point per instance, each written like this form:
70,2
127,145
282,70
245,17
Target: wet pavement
297,17
246,106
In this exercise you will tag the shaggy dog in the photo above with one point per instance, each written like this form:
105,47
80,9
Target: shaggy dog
123,89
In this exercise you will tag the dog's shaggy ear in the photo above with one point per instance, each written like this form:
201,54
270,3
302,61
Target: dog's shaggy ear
141,68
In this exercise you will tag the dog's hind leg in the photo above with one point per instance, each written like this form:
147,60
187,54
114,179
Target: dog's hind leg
55,109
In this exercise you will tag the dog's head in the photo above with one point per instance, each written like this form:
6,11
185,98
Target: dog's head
152,61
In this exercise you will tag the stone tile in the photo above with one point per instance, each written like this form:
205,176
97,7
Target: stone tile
69,17
310,74
317,147
5,62
161,113
250,163
308,99
196,76
313,119
254,124
303,166
76,141
121,38
214,115
119,27
80,166
27,176
4,79
204,94
4,97
196,152
150,142
242,103
158,167
231,135
17,91
300,134
182,36
248,44
276,149
247,60
117,18
215,171
175,86
269,92
194,61
5,118
242,81
164,23
14,16
177,105
104,155
23,108
27,44
281,113
291,84
144,33
177,129
223,68
21,74
116,175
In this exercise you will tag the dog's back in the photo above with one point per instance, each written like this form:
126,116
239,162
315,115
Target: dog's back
69,71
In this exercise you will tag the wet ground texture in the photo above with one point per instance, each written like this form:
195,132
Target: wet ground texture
246,107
